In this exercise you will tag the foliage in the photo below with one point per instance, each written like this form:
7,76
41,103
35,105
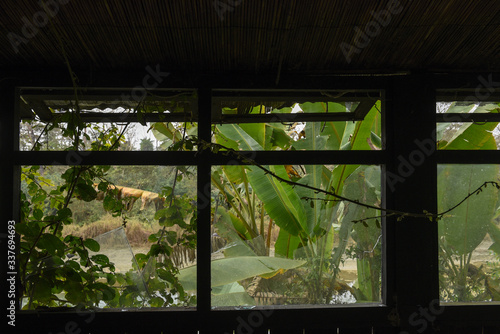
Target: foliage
315,227
146,145
69,271
463,228
305,228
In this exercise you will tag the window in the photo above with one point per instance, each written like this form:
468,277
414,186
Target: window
125,234
222,167
114,235
271,215
468,234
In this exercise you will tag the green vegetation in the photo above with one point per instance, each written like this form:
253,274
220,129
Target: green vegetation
281,233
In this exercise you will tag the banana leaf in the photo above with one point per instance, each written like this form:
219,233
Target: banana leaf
472,136
234,269
465,227
286,244
280,200
235,133
494,232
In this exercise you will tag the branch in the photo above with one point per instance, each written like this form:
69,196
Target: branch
388,212
475,192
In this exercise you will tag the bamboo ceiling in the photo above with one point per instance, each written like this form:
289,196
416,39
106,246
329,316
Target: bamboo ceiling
253,36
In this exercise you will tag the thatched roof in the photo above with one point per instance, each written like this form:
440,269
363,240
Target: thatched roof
253,36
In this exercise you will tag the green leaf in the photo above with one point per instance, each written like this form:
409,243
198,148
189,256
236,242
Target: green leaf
39,197
286,244
226,271
92,245
166,129
72,264
236,133
465,227
42,290
376,140
235,174
228,220
494,232
172,237
100,259
28,229
156,302
315,213
52,244
110,279
280,200
108,293
75,296
86,192
64,214
38,214
335,132
166,276
71,274
473,136
363,130
110,203
314,139
260,132
231,299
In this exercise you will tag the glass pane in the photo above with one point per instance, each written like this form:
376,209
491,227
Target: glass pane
469,235
255,102
105,120
468,136
235,107
107,237
36,135
295,135
467,107
44,102
277,243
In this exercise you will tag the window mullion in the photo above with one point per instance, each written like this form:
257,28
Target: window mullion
410,185
203,199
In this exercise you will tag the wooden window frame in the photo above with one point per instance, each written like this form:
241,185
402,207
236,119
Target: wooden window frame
410,248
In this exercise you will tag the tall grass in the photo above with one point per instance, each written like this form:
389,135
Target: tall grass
137,232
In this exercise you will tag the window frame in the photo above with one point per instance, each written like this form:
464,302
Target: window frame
408,99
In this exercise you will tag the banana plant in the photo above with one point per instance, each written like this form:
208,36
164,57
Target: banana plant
462,229
305,227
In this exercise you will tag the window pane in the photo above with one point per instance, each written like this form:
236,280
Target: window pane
329,135
146,120
45,102
468,136
253,108
467,107
276,243
259,102
107,237
464,133
469,235
160,136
